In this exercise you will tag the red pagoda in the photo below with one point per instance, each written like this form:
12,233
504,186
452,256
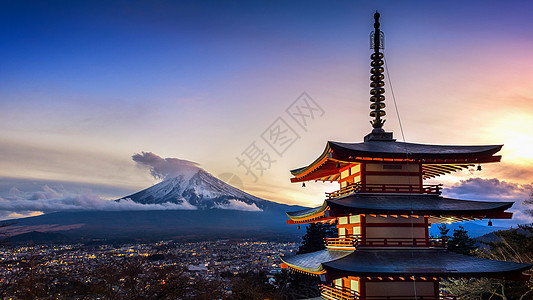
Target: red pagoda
383,211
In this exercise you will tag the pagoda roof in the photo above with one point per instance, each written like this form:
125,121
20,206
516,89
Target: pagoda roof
394,204
414,204
402,263
430,263
312,262
390,150
393,149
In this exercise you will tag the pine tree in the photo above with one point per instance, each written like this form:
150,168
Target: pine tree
313,239
443,230
461,243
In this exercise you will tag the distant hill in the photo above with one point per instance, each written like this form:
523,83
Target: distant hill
493,237
474,230
37,237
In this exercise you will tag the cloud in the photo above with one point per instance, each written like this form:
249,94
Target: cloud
489,189
162,168
495,190
50,200
235,204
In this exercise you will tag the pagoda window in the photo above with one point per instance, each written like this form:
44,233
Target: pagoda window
354,285
338,283
355,219
345,173
355,169
342,231
344,184
356,230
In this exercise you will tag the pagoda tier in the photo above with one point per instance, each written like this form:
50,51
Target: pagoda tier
437,208
396,263
434,160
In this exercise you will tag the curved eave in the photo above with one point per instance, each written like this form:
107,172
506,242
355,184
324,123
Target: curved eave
302,174
311,263
309,215
431,205
430,263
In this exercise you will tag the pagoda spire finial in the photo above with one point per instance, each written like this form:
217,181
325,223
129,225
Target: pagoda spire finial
377,91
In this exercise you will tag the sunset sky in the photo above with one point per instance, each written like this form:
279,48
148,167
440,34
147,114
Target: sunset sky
86,85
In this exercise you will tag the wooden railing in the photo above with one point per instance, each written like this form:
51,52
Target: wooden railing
401,188
333,293
341,242
351,188
355,241
401,242
434,189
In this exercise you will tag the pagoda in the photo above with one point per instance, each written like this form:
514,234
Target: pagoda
383,211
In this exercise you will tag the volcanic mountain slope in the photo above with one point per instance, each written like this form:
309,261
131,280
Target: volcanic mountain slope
199,190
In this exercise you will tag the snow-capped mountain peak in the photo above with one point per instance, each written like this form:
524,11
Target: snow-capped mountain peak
198,190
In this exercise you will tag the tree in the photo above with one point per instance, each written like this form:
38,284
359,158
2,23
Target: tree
513,245
461,243
251,286
443,230
292,285
313,239
468,288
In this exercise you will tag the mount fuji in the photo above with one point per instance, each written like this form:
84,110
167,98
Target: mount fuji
197,206
199,190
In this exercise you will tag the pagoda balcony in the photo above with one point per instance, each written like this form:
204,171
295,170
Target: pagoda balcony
432,189
333,293
353,242
342,243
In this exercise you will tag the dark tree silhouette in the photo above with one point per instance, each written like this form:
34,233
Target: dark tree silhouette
251,286
461,243
291,286
313,239
443,230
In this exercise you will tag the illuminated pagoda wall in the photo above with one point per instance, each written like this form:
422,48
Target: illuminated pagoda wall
383,211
